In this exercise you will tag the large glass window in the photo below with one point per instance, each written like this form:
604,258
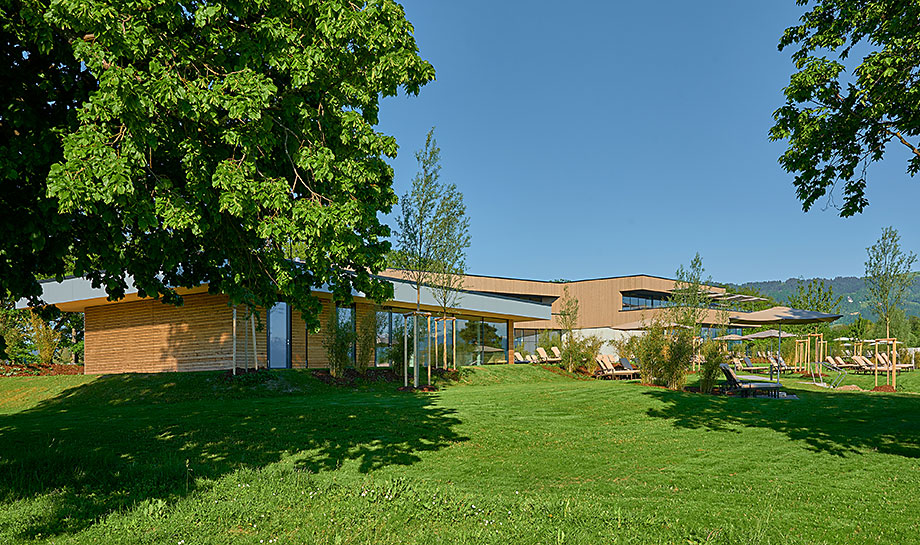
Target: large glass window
346,318
469,334
639,300
279,336
495,342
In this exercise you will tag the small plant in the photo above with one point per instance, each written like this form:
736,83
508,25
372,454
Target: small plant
338,342
582,349
652,349
713,357
44,337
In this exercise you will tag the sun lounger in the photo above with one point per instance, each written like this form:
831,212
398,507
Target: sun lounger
750,367
518,358
838,361
546,358
609,370
556,352
735,384
532,359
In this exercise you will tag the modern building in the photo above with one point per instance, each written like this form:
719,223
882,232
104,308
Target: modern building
610,308
143,335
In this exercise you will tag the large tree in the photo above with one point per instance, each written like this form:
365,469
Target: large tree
200,142
841,113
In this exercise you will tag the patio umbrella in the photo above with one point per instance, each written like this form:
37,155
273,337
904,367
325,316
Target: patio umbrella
729,337
640,325
782,315
768,334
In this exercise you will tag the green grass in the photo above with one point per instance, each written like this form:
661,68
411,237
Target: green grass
511,454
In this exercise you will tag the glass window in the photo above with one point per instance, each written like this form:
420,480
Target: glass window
495,342
469,335
346,317
279,336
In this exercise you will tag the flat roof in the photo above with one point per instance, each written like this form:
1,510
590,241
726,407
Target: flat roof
74,294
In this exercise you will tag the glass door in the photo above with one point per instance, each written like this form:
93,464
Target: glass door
279,336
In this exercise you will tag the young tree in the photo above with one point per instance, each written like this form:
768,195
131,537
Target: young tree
568,321
888,275
842,113
432,230
197,143
690,297
815,295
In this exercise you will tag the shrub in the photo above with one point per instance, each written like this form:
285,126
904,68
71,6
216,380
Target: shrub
628,347
677,363
338,342
651,351
368,329
45,338
394,353
581,349
710,370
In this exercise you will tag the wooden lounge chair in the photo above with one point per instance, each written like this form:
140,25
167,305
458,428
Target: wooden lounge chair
546,358
735,384
556,352
838,361
532,359
518,358
611,370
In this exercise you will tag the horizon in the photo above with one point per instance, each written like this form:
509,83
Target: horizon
553,143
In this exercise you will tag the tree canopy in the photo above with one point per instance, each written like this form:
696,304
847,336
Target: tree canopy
841,114
198,143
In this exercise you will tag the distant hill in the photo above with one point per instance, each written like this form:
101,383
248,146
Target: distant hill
853,290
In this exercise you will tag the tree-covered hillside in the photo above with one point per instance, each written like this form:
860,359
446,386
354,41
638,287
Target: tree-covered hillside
852,289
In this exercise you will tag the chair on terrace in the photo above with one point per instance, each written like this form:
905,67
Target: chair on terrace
746,388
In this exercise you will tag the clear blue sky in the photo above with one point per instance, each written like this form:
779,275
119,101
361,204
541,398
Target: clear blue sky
601,138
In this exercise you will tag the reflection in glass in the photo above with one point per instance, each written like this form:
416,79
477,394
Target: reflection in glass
279,336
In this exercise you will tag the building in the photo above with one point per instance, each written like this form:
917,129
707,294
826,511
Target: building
142,335
610,308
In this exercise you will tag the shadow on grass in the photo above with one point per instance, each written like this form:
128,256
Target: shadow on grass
93,450
835,423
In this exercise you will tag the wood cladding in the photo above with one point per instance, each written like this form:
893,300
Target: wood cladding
147,336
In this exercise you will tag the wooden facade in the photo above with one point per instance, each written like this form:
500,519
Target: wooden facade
600,300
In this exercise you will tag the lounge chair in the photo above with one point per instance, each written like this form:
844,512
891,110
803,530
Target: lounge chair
750,367
619,370
735,384
518,358
532,359
838,361
556,352
546,358
606,369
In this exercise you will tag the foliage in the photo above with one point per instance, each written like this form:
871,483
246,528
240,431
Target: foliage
548,338
652,352
677,363
432,232
859,329
710,370
14,327
339,342
627,347
689,299
841,114
394,353
216,138
369,329
45,338
888,275
817,296
582,349
568,321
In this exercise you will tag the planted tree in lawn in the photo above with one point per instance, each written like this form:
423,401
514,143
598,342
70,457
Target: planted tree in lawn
689,302
843,111
888,275
339,342
568,321
188,144
431,215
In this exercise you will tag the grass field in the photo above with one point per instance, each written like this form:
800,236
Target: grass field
512,454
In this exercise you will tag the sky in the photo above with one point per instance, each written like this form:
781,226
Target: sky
595,139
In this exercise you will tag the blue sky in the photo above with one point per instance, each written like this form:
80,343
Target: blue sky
598,139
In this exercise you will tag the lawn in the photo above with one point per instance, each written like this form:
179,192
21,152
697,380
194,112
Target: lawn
511,454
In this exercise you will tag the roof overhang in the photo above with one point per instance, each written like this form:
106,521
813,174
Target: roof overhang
78,294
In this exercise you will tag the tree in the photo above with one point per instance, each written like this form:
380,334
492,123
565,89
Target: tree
888,275
841,114
431,215
568,321
815,295
199,143
690,297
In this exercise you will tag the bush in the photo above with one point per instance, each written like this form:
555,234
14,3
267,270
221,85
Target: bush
581,349
368,329
677,362
338,342
651,351
709,372
45,338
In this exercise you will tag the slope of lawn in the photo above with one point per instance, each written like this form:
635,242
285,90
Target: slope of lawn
511,454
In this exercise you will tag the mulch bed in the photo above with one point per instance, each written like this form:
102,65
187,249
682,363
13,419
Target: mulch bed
35,370
884,388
